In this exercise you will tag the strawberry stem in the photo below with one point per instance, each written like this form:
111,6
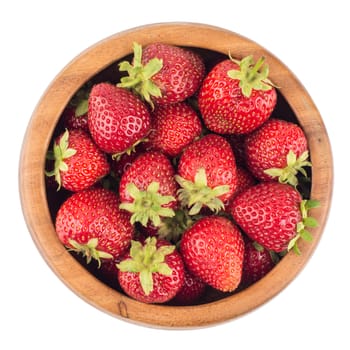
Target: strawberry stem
252,73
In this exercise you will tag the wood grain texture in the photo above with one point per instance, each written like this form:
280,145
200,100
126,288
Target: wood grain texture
32,183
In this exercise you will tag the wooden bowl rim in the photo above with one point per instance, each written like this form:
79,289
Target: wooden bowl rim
32,182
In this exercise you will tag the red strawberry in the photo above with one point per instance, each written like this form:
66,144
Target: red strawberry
256,264
75,115
90,222
118,120
278,149
212,250
235,97
148,189
237,144
174,126
163,73
273,214
73,120
79,163
152,272
192,289
207,174
244,180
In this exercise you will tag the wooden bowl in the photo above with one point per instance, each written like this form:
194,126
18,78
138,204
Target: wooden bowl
294,103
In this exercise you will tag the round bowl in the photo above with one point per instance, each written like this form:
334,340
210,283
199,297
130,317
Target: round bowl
97,61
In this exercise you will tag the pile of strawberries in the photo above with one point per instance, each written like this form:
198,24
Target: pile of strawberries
177,179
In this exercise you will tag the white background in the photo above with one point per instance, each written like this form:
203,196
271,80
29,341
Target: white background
38,38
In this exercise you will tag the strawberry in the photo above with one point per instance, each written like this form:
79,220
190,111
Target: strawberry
147,189
235,97
75,115
73,120
244,180
207,174
91,223
78,162
152,272
237,144
162,73
212,250
192,289
118,120
274,215
174,126
277,150
257,262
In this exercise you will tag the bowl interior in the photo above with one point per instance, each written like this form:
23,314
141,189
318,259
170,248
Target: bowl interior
100,63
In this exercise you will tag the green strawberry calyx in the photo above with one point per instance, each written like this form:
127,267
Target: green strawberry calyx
288,174
60,153
197,194
147,205
307,221
82,107
139,75
251,75
89,250
172,229
147,259
80,101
